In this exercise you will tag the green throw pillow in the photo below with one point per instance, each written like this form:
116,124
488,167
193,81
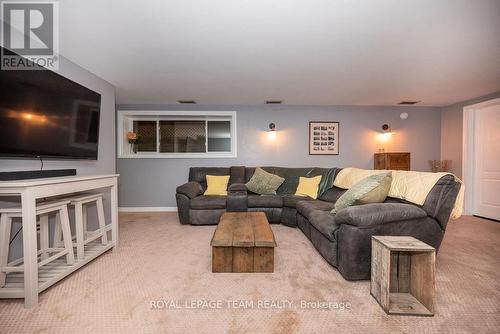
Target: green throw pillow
372,189
264,183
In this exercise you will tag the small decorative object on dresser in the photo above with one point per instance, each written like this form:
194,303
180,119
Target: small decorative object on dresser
402,275
323,138
440,166
393,161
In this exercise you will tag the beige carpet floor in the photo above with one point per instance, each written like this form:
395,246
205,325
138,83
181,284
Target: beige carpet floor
160,260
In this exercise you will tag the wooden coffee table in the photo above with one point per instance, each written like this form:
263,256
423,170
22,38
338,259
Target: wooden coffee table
243,243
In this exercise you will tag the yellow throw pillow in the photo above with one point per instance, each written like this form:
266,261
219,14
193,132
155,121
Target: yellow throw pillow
308,186
217,185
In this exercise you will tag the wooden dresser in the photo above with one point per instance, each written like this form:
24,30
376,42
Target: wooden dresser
394,161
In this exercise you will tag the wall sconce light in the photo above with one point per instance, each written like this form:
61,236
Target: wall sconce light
384,136
271,134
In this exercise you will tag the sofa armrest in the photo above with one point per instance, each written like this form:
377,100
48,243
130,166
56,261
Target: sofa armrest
369,215
237,189
190,189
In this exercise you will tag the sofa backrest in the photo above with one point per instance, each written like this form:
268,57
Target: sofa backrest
291,176
241,174
438,204
199,174
332,194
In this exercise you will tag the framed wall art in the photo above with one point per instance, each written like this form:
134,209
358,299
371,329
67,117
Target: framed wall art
323,138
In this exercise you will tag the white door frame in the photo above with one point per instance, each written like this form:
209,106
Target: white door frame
468,151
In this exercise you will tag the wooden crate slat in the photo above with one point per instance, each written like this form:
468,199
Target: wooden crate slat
263,235
243,233
406,304
223,236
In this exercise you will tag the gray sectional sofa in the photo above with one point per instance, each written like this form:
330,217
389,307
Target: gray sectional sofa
343,239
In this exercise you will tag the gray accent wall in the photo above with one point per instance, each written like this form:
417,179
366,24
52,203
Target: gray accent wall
452,131
106,163
152,182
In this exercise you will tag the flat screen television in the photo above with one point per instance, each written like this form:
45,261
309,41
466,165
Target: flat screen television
45,115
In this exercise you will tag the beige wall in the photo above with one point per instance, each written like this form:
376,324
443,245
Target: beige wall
452,130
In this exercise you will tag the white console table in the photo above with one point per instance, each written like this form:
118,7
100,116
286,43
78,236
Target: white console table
30,191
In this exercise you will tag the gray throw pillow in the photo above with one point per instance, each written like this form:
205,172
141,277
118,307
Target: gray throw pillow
371,189
264,183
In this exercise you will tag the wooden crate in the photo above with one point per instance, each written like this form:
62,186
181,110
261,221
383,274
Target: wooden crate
243,242
403,275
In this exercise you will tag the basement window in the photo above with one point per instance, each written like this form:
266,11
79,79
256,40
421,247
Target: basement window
146,130
181,134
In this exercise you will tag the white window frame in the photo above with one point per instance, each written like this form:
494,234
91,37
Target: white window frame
126,118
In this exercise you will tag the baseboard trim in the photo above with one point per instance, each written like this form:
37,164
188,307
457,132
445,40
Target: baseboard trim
147,209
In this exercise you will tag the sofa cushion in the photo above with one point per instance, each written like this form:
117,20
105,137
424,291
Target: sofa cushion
306,208
369,215
308,186
217,185
273,215
264,201
372,189
291,201
324,222
208,202
264,183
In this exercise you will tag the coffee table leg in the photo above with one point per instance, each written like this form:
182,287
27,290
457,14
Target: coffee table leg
222,259
263,259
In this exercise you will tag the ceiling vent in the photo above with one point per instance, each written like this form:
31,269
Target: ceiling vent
274,101
408,103
186,101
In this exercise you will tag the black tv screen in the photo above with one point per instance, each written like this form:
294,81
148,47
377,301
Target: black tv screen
43,114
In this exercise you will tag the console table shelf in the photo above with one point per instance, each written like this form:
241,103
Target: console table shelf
33,280
52,272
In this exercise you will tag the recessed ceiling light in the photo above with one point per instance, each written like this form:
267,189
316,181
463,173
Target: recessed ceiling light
274,101
186,101
408,102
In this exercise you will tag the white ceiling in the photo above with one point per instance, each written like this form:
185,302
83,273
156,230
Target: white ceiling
331,52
